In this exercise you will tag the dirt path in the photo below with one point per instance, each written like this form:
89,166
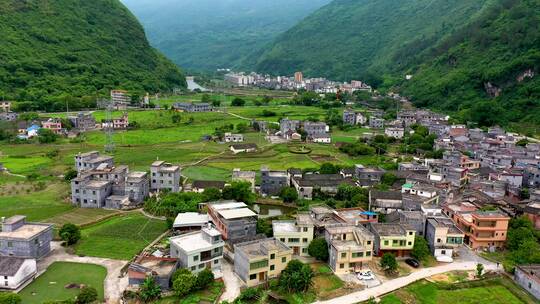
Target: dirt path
114,284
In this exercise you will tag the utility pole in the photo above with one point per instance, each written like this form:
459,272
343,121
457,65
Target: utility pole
109,129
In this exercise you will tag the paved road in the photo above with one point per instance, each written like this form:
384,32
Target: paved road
398,283
114,285
232,282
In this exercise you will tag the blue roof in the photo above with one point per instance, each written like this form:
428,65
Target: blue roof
33,128
368,213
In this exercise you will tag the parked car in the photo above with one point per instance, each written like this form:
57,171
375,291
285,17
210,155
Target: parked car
444,259
412,262
366,275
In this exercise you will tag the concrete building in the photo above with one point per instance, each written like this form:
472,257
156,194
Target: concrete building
316,128
385,202
159,268
16,271
53,124
83,121
532,211
443,236
368,174
192,107
325,183
376,123
350,247
23,239
120,97
528,277
358,216
295,234
393,238
396,133
286,125
230,137
351,117
414,220
298,77
5,106
198,250
190,221
9,116
272,182
164,175
91,160
244,176
233,219
258,261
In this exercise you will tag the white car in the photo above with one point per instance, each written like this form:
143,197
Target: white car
366,275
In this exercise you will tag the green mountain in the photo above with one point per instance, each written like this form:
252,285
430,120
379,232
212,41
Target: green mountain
356,39
487,72
211,34
75,50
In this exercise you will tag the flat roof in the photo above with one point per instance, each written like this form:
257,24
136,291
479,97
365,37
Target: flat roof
385,229
259,248
26,231
195,240
224,205
236,213
190,219
284,226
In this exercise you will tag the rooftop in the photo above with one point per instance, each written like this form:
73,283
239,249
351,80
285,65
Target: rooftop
384,229
190,219
10,265
444,222
223,205
236,213
195,241
284,226
260,248
161,267
26,231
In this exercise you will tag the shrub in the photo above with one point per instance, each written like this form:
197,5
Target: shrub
204,278
87,295
150,290
420,250
318,248
184,284
10,298
288,194
389,263
70,233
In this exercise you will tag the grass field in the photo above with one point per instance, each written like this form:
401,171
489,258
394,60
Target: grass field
50,286
120,237
492,291
208,295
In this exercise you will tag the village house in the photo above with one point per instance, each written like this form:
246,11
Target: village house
22,239
91,160
296,234
244,176
314,129
16,271
164,175
414,220
528,277
243,148
256,262
83,121
159,268
350,247
385,202
198,250
8,116
5,106
443,236
192,107
287,126
272,182
532,212
190,221
358,216
351,117
325,183
393,238
376,123
53,124
396,133
234,220
230,137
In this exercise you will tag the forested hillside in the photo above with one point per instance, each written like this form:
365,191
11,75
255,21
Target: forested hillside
211,34
487,72
74,50
357,39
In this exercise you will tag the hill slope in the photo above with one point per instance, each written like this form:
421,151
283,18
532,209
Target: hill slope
210,34
487,72
350,39
76,48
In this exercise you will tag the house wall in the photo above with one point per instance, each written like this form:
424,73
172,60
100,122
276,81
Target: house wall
35,247
27,271
164,180
527,282
304,238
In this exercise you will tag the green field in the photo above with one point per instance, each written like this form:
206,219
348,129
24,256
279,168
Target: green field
120,237
490,291
50,286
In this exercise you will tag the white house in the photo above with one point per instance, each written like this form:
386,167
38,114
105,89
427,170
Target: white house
198,250
230,137
397,133
321,138
16,271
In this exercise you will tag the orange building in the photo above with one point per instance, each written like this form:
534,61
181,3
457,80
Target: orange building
483,229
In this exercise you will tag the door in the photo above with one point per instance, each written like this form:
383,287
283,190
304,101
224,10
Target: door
296,250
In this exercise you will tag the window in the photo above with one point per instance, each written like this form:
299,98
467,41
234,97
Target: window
369,242
196,258
258,264
193,268
272,256
282,239
216,261
5,277
283,260
357,254
294,240
304,240
386,242
304,250
368,253
411,233
341,266
443,252
305,229
438,240
409,243
9,244
272,267
201,266
343,255
252,276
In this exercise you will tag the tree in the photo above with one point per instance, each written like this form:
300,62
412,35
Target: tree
296,277
388,179
479,270
264,226
206,98
46,136
211,194
238,102
70,174
239,191
150,290
328,168
176,118
420,249
241,128
10,298
87,295
518,236
183,284
70,233
288,194
204,278
266,100
318,248
389,263
216,103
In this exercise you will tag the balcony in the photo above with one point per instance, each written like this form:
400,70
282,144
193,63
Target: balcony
209,255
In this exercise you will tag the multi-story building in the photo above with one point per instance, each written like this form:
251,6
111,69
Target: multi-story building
198,250
396,133
286,125
368,174
358,216
256,262
83,121
234,220
376,123
351,117
443,236
53,124
393,238
164,175
120,97
295,234
23,239
298,77
244,176
121,123
230,137
349,247
315,128
192,107
91,160
272,182
5,106
483,229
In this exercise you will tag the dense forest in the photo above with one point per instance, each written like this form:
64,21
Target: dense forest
486,72
73,51
211,34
